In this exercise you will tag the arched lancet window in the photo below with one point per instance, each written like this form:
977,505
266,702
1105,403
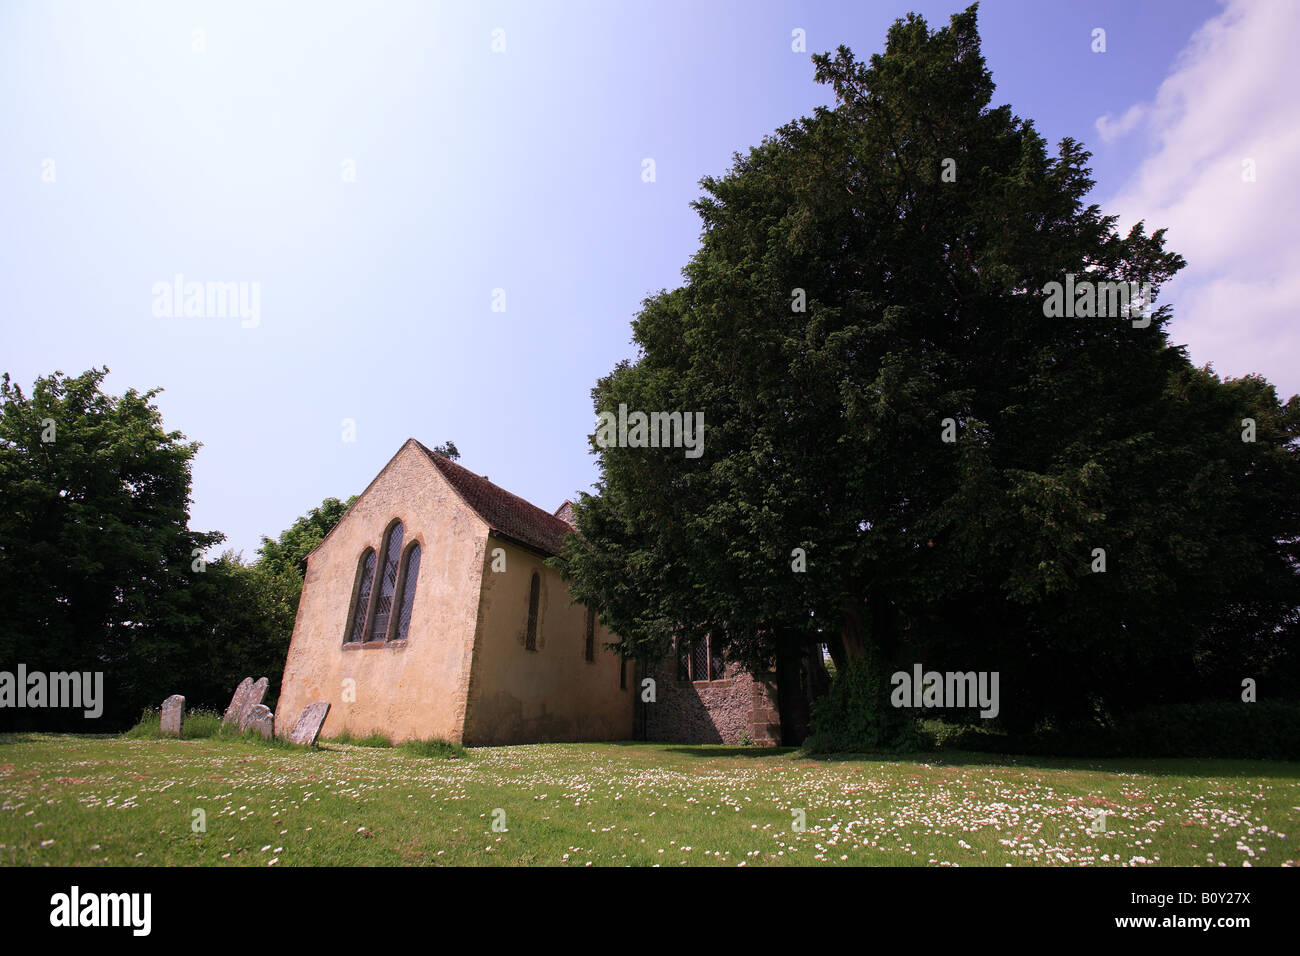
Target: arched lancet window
410,575
591,635
365,579
387,584
534,598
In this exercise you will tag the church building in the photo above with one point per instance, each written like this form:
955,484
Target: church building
428,612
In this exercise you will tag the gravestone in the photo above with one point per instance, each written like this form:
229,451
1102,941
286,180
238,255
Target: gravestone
173,715
248,694
238,703
262,720
307,730
255,695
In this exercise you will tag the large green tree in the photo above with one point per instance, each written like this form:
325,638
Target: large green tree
97,562
100,572
866,274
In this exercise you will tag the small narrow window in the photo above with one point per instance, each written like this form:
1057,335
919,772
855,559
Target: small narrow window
591,634
622,673
387,584
365,579
410,575
717,667
534,597
700,660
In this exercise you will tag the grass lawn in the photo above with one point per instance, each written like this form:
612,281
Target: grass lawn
107,800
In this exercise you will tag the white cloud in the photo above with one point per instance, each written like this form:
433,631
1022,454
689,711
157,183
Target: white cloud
1112,130
1231,97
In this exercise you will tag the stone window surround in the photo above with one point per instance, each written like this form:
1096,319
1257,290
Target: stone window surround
402,558
720,682
373,645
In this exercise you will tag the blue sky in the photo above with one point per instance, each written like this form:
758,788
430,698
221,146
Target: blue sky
212,140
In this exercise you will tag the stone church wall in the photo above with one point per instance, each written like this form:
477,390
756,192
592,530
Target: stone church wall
733,710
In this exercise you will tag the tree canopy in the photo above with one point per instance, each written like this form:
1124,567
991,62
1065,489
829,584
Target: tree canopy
906,458
99,571
97,562
288,553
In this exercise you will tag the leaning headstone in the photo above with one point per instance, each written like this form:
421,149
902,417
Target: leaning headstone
173,715
238,703
307,729
262,720
255,695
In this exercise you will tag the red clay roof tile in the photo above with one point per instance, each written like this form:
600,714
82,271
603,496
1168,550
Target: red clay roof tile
505,513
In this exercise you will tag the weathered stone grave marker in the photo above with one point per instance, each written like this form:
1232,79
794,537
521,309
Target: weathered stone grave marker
307,730
248,695
254,700
262,720
173,715
236,707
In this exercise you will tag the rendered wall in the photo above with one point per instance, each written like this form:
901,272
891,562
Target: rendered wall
549,694
414,689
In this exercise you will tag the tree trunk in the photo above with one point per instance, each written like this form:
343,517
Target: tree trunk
791,703
875,631
851,636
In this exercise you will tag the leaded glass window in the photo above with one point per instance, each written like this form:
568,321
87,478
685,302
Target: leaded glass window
410,575
717,667
387,585
698,661
366,575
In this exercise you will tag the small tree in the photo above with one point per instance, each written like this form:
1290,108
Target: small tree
288,553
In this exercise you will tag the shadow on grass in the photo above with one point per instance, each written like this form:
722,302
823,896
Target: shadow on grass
722,750
698,750
36,736
1191,767
1147,766
1201,767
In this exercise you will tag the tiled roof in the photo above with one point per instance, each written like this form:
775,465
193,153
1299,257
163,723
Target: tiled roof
504,513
